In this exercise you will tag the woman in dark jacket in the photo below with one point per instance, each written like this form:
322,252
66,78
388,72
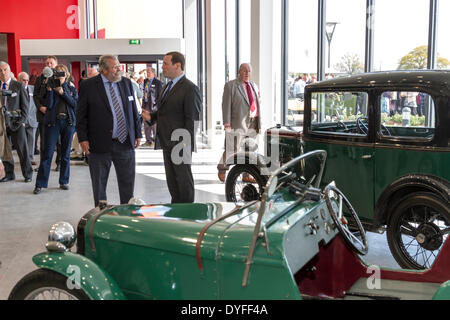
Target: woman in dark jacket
59,121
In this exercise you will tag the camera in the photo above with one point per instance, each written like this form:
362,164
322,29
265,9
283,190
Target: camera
52,76
5,93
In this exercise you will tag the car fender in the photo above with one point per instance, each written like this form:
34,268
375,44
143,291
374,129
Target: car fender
405,185
443,293
91,278
251,158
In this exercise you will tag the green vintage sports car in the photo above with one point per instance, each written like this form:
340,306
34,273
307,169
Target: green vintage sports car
294,243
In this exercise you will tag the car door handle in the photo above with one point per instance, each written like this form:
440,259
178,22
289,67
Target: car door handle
366,156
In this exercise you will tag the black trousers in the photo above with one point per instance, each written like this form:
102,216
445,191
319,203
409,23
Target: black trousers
19,139
123,158
179,179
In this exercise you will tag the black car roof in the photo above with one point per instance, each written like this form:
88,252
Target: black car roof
421,78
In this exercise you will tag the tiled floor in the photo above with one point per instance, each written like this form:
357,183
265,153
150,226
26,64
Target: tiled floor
25,218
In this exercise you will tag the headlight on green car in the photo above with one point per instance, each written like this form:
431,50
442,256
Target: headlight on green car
61,237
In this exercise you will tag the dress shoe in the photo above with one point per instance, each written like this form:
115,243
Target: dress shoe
248,179
33,163
6,179
37,190
64,186
27,180
221,175
36,152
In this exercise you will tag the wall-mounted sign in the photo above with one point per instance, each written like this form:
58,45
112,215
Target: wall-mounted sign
135,41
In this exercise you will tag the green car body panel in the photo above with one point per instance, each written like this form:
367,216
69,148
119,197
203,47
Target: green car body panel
94,280
164,265
443,292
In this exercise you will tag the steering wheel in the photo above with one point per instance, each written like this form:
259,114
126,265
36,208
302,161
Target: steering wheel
341,124
384,129
362,126
359,245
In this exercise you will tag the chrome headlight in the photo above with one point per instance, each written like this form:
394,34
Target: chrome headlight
137,202
61,237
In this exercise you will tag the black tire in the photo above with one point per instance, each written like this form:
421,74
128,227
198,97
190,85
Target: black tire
414,238
43,278
249,191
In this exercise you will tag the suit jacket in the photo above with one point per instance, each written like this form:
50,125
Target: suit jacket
180,109
5,149
151,95
31,120
39,93
94,115
18,100
236,107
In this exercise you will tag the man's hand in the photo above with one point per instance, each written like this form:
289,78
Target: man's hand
146,115
137,143
85,146
59,90
43,109
227,127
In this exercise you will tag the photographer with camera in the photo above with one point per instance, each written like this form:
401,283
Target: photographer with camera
39,98
59,120
15,110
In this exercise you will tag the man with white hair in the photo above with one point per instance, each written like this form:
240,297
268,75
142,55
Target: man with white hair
32,123
16,113
241,114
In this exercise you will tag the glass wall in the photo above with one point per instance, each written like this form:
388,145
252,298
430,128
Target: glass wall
443,30
401,34
345,37
140,18
302,55
231,39
244,31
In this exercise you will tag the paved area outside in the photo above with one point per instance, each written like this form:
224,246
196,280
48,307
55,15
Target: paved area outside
25,218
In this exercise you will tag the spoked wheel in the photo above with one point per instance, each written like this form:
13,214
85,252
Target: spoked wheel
244,183
44,284
417,230
356,240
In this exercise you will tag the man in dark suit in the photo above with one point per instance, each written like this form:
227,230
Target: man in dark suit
109,128
17,104
31,124
40,90
179,108
152,90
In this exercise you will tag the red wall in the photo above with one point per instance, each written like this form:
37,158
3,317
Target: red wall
34,19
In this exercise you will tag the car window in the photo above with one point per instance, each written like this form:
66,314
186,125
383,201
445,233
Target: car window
407,114
339,112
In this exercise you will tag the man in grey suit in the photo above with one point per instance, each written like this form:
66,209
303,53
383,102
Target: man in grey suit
241,114
32,123
179,108
17,105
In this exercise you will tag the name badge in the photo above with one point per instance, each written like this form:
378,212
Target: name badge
130,98
14,94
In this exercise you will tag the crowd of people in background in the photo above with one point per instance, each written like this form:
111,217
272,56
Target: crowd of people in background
69,121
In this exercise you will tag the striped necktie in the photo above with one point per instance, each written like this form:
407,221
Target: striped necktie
122,132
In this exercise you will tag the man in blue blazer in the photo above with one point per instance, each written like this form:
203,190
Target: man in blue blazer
109,128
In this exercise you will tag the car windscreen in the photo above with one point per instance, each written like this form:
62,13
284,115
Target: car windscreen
291,184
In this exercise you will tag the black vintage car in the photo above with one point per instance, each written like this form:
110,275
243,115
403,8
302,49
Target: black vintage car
387,136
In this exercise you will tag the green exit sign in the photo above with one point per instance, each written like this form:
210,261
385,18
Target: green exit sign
135,41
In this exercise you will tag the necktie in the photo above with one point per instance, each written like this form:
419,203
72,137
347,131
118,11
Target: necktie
4,98
250,97
169,85
121,127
